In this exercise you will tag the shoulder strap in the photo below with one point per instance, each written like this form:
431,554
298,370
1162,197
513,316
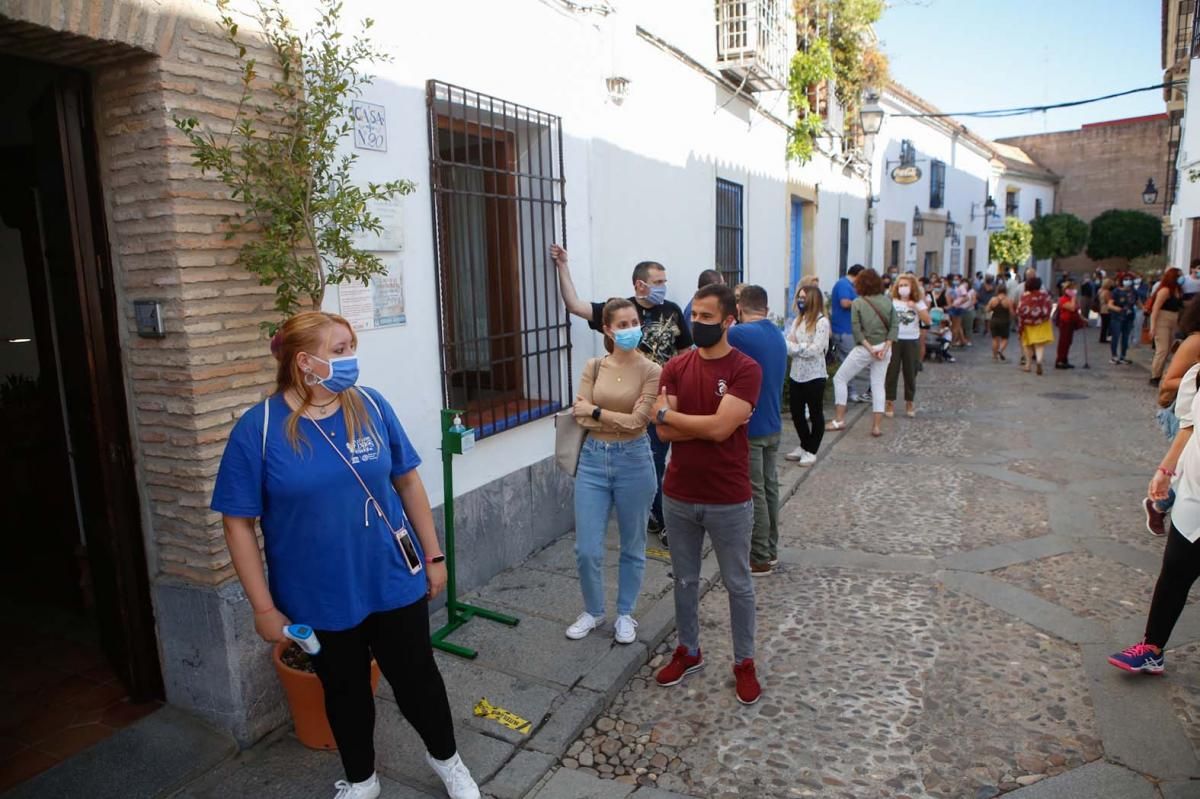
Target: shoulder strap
878,312
370,399
266,424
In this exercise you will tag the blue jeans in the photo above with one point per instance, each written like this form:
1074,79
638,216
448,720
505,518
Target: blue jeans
1119,326
660,449
619,473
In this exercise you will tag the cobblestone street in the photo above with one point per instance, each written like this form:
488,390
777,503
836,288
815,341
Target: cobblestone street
940,618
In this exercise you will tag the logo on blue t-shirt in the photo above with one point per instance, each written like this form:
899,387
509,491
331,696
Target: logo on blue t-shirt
363,450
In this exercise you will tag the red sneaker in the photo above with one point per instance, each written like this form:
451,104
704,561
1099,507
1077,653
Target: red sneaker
1155,519
681,665
747,688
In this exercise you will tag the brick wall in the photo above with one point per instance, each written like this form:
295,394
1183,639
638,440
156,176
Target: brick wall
1102,167
160,59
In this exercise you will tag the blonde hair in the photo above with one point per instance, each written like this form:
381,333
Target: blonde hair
916,294
306,332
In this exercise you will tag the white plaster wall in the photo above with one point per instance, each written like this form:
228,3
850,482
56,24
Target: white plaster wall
640,178
1187,197
968,175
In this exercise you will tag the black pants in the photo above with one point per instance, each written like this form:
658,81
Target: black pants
1180,568
399,640
1104,328
809,394
905,354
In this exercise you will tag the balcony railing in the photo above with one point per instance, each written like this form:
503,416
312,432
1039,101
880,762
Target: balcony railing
754,42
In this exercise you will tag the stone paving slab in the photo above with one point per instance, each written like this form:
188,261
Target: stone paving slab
1093,781
153,757
1018,602
282,768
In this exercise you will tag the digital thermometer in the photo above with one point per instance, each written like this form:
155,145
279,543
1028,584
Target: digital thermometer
303,635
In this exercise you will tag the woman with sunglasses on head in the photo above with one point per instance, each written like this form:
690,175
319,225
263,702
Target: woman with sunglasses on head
327,470
616,469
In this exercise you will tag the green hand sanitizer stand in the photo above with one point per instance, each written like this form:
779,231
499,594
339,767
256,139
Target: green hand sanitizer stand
456,440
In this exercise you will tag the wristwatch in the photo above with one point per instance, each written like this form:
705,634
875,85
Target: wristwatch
596,413
435,559
662,413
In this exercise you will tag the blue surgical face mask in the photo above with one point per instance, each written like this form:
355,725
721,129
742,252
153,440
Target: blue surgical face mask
628,339
343,373
657,295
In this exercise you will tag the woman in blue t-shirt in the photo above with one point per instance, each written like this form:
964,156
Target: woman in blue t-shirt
326,468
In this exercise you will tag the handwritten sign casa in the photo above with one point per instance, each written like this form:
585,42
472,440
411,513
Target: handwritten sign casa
906,174
370,126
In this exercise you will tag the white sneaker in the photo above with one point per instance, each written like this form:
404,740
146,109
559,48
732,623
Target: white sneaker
584,625
807,458
626,627
367,789
455,776
795,455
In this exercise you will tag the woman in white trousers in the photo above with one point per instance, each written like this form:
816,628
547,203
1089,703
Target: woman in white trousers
875,326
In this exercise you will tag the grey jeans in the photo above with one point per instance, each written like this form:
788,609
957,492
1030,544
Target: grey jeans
764,482
728,526
845,345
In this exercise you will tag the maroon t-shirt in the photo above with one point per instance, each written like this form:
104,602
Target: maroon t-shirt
710,472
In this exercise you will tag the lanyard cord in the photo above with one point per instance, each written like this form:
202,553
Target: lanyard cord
370,497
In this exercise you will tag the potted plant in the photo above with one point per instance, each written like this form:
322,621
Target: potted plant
306,697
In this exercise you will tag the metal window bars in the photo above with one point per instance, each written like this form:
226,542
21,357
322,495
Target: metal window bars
754,42
496,173
729,231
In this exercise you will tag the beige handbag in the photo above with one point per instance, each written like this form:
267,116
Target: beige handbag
569,435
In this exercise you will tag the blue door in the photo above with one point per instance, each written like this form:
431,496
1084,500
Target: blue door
797,239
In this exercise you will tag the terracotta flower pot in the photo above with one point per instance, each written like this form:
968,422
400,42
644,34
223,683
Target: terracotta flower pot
306,698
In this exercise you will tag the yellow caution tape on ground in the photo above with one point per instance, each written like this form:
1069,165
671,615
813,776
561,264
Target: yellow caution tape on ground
658,554
487,710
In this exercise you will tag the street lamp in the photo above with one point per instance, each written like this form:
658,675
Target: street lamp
870,115
1150,193
989,209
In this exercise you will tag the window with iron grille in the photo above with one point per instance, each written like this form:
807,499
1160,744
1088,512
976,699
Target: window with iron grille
498,203
908,153
1012,202
937,184
729,231
844,247
894,259
1037,208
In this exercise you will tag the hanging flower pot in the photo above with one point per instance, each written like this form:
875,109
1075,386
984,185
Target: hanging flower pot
306,697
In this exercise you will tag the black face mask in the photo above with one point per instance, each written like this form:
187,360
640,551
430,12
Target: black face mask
706,335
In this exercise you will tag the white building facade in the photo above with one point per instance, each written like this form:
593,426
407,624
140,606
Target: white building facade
939,190
1184,244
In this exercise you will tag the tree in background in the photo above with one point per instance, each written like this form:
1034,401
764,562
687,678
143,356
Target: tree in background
836,44
1012,246
1058,236
1124,234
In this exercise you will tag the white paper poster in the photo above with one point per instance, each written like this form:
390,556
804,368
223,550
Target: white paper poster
390,237
378,304
370,126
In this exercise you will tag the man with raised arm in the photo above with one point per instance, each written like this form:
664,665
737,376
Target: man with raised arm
664,333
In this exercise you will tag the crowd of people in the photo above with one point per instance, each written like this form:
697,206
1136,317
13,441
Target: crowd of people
683,423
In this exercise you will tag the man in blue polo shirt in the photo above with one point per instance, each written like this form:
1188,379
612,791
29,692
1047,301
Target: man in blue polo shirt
760,338
839,324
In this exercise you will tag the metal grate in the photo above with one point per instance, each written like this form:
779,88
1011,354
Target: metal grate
753,42
937,184
729,231
1174,134
496,170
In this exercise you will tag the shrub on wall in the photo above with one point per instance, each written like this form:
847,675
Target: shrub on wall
1124,234
1058,236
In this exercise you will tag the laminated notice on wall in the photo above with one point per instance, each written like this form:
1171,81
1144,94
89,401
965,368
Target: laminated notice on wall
390,237
378,304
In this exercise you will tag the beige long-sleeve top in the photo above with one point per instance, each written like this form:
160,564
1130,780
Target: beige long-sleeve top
624,393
